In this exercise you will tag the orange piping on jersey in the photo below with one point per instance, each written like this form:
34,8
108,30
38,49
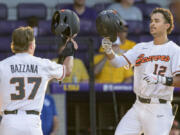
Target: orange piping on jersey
175,72
62,74
141,59
127,60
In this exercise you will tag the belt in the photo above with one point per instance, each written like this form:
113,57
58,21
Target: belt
16,111
148,100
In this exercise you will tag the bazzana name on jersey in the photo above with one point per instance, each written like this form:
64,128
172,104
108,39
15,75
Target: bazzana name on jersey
141,59
21,68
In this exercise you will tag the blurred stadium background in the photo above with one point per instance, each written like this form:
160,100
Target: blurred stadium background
72,100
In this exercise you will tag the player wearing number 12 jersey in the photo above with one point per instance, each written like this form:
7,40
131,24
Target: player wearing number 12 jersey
23,81
156,73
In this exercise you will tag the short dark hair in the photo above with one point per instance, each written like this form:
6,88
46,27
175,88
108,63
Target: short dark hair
21,37
167,16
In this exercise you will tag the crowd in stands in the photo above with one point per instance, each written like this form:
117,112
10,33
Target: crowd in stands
135,12
127,10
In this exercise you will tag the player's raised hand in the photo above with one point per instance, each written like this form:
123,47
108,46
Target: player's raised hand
154,79
107,45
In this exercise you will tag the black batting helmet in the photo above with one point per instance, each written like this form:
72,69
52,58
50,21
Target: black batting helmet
109,23
65,22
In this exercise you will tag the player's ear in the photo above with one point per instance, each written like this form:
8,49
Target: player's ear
31,45
167,25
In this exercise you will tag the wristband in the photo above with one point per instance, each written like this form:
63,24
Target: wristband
169,81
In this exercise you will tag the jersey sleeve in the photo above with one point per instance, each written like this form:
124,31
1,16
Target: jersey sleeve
55,70
176,62
132,54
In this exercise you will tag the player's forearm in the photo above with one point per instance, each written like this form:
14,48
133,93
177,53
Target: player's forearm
176,81
68,63
118,61
170,81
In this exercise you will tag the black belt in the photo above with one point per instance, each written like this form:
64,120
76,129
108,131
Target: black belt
16,111
148,100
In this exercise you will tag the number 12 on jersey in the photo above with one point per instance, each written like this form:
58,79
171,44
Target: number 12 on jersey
159,70
21,87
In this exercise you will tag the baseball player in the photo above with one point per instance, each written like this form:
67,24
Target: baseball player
24,78
156,73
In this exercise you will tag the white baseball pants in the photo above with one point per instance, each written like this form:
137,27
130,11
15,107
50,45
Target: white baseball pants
150,119
20,124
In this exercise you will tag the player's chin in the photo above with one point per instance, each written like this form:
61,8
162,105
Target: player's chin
153,33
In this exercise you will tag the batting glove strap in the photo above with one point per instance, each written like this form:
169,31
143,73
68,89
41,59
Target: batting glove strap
169,81
155,79
165,80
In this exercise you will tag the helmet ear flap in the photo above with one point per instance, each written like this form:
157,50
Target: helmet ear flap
55,22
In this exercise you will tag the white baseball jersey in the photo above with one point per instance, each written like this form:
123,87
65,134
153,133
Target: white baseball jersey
158,59
23,81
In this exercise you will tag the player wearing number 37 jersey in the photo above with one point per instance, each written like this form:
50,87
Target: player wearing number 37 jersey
23,81
156,73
